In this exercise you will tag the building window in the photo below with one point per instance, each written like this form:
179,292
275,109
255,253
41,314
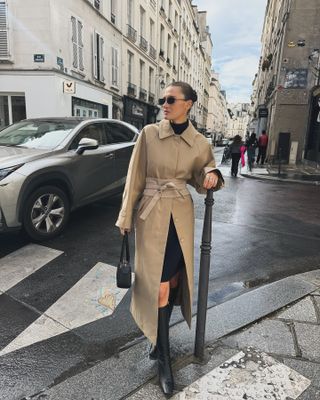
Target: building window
130,6
142,68
113,11
162,39
98,57
97,4
130,66
77,43
4,31
12,109
115,67
151,32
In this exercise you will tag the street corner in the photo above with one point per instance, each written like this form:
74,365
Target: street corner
250,374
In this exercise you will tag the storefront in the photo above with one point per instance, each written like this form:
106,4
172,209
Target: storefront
312,150
139,113
90,109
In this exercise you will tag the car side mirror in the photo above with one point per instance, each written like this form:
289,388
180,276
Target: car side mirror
87,144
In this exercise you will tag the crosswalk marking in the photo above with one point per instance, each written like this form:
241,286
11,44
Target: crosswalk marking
247,375
20,264
95,296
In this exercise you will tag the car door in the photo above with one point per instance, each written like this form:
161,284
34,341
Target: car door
93,171
120,137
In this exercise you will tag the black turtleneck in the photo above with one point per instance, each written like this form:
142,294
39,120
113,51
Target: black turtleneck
179,128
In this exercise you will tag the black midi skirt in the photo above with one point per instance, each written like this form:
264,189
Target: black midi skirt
173,258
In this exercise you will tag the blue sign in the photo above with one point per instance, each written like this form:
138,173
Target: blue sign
38,58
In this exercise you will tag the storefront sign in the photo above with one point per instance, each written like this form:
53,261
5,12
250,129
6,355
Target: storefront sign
69,87
137,110
263,113
38,58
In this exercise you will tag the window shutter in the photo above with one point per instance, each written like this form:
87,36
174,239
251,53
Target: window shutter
74,42
94,55
114,66
101,60
80,45
4,37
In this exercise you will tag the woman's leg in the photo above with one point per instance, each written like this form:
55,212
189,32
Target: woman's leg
164,292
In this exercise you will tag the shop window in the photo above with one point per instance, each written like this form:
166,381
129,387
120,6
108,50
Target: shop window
12,109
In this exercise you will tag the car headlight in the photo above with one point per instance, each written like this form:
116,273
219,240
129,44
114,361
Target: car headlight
7,171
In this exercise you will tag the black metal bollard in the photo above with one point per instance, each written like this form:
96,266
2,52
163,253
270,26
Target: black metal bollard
204,277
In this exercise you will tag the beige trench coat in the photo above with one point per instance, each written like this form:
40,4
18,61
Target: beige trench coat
161,154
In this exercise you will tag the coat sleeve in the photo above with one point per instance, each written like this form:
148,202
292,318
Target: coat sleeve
204,163
135,182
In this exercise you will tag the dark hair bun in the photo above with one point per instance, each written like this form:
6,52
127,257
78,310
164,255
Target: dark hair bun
194,96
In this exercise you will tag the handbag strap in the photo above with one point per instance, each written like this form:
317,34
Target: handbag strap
125,255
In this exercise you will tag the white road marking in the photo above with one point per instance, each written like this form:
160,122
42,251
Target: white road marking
95,296
21,263
247,375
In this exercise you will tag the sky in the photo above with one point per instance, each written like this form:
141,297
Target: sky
235,27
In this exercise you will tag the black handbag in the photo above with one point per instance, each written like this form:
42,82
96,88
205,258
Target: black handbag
124,267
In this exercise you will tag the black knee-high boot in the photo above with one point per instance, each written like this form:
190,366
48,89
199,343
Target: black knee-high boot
164,361
153,354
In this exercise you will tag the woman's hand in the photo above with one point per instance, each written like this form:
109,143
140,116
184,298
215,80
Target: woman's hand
211,180
122,231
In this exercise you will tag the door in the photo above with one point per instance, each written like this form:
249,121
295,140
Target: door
93,171
283,152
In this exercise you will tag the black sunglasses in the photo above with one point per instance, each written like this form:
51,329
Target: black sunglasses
168,100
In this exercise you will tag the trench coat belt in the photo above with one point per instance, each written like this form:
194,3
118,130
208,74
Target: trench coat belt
157,188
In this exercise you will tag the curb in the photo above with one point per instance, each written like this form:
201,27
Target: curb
276,179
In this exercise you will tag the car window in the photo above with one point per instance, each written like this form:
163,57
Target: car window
36,134
92,131
118,133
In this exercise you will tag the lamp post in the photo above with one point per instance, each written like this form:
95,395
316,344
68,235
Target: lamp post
161,84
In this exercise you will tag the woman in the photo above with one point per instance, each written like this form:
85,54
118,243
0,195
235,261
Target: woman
166,157
235,149
251,145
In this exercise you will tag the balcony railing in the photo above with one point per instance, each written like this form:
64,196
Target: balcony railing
142,94
131,34
132,89
161,54
143,44
152,52
151,98
153,3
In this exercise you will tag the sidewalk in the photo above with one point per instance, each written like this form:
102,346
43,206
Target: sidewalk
264,344
288,173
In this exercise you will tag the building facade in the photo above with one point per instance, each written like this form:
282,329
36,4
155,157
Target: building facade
218,116
286,88
100,58
239,120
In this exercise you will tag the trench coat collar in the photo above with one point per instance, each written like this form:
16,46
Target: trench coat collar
165,130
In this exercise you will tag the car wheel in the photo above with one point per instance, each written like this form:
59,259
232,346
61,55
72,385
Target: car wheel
46,213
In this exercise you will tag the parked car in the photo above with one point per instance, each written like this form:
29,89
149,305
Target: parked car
50,166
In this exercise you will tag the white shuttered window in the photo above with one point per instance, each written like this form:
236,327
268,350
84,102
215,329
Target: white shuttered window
98,56
4,31
77,44
115,67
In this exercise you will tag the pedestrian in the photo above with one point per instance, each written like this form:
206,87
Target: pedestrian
243,149
251,145
262,146
166,157
235,150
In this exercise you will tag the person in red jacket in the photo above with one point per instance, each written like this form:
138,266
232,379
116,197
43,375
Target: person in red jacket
262,145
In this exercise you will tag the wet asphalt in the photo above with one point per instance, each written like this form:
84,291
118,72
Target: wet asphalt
262,231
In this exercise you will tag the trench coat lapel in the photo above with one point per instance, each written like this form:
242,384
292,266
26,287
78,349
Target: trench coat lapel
165,130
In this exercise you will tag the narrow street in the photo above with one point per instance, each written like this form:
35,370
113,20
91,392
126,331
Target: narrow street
262,232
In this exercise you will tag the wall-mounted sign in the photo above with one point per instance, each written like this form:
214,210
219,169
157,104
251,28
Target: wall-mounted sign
69,87
38,58
263,112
